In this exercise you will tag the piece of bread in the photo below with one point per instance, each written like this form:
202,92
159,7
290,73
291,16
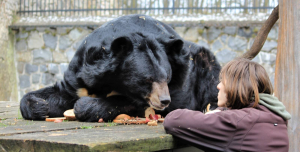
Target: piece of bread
70,115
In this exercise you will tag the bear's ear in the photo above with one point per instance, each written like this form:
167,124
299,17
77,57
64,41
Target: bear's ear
121,44
175,46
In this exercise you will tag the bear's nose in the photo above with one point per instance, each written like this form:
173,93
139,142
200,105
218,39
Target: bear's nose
165,101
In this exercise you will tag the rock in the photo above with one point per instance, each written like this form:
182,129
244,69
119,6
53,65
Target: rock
29,68
20,67
213,33
64,42
250,43
224,38
63,67
204,44
22,35
204,33
35,41
273,34
59,57
47,79
272,77
191,34
225,56
70,53
269,69
269,45
29,28
273,51
24,56
24,81
41,29
35,79
21,45
230,30
245,32
180,30
43,68
50,40
257,59
53,68
216,46
78,43
62,30
268,58
59,77
42,55
74,34
238,44
22,93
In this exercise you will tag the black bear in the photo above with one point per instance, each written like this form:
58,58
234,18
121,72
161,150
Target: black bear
126,65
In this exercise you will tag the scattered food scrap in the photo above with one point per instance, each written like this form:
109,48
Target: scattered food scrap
57,119
69,114
150,119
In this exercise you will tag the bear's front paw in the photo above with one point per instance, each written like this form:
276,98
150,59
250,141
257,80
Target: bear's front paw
34,108
92,109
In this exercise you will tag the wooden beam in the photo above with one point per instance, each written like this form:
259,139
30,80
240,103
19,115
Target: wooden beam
287,71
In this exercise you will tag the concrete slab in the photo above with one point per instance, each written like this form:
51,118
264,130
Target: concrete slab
17,134
114,138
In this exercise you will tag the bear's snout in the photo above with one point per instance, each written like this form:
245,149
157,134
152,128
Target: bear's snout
165,100
160,97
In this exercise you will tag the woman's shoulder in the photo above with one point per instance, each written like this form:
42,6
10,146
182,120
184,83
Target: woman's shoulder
260,114
237,114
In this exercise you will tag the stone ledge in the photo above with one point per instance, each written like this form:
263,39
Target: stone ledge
17,134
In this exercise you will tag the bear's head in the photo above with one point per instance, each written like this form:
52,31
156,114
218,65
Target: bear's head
136,65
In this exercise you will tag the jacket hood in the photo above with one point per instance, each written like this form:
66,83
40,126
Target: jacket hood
273,104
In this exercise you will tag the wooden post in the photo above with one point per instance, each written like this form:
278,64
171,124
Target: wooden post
287,72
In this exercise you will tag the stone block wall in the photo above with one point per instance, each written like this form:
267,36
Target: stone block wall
43,54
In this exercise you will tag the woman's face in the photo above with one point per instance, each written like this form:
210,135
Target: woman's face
222,96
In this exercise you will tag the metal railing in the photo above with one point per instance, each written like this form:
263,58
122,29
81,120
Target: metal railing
148,7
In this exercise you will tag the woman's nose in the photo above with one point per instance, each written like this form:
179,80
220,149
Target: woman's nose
218,86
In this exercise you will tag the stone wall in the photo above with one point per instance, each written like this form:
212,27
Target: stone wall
8,79
43,54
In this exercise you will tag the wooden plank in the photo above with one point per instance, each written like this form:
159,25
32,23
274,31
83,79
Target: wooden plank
287,76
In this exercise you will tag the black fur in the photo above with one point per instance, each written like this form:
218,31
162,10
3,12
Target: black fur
127,55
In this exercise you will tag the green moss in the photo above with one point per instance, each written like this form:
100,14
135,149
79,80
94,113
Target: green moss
80,29
47,31
68,31
15,18
18,39
3,125
255,30
86,127
109,124
200,31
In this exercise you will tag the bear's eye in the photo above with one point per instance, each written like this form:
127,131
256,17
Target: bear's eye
149,80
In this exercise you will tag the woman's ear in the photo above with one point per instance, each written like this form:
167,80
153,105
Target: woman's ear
121,44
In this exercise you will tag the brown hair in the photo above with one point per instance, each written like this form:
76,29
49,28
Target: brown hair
244,79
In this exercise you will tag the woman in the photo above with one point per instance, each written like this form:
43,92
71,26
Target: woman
249,117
